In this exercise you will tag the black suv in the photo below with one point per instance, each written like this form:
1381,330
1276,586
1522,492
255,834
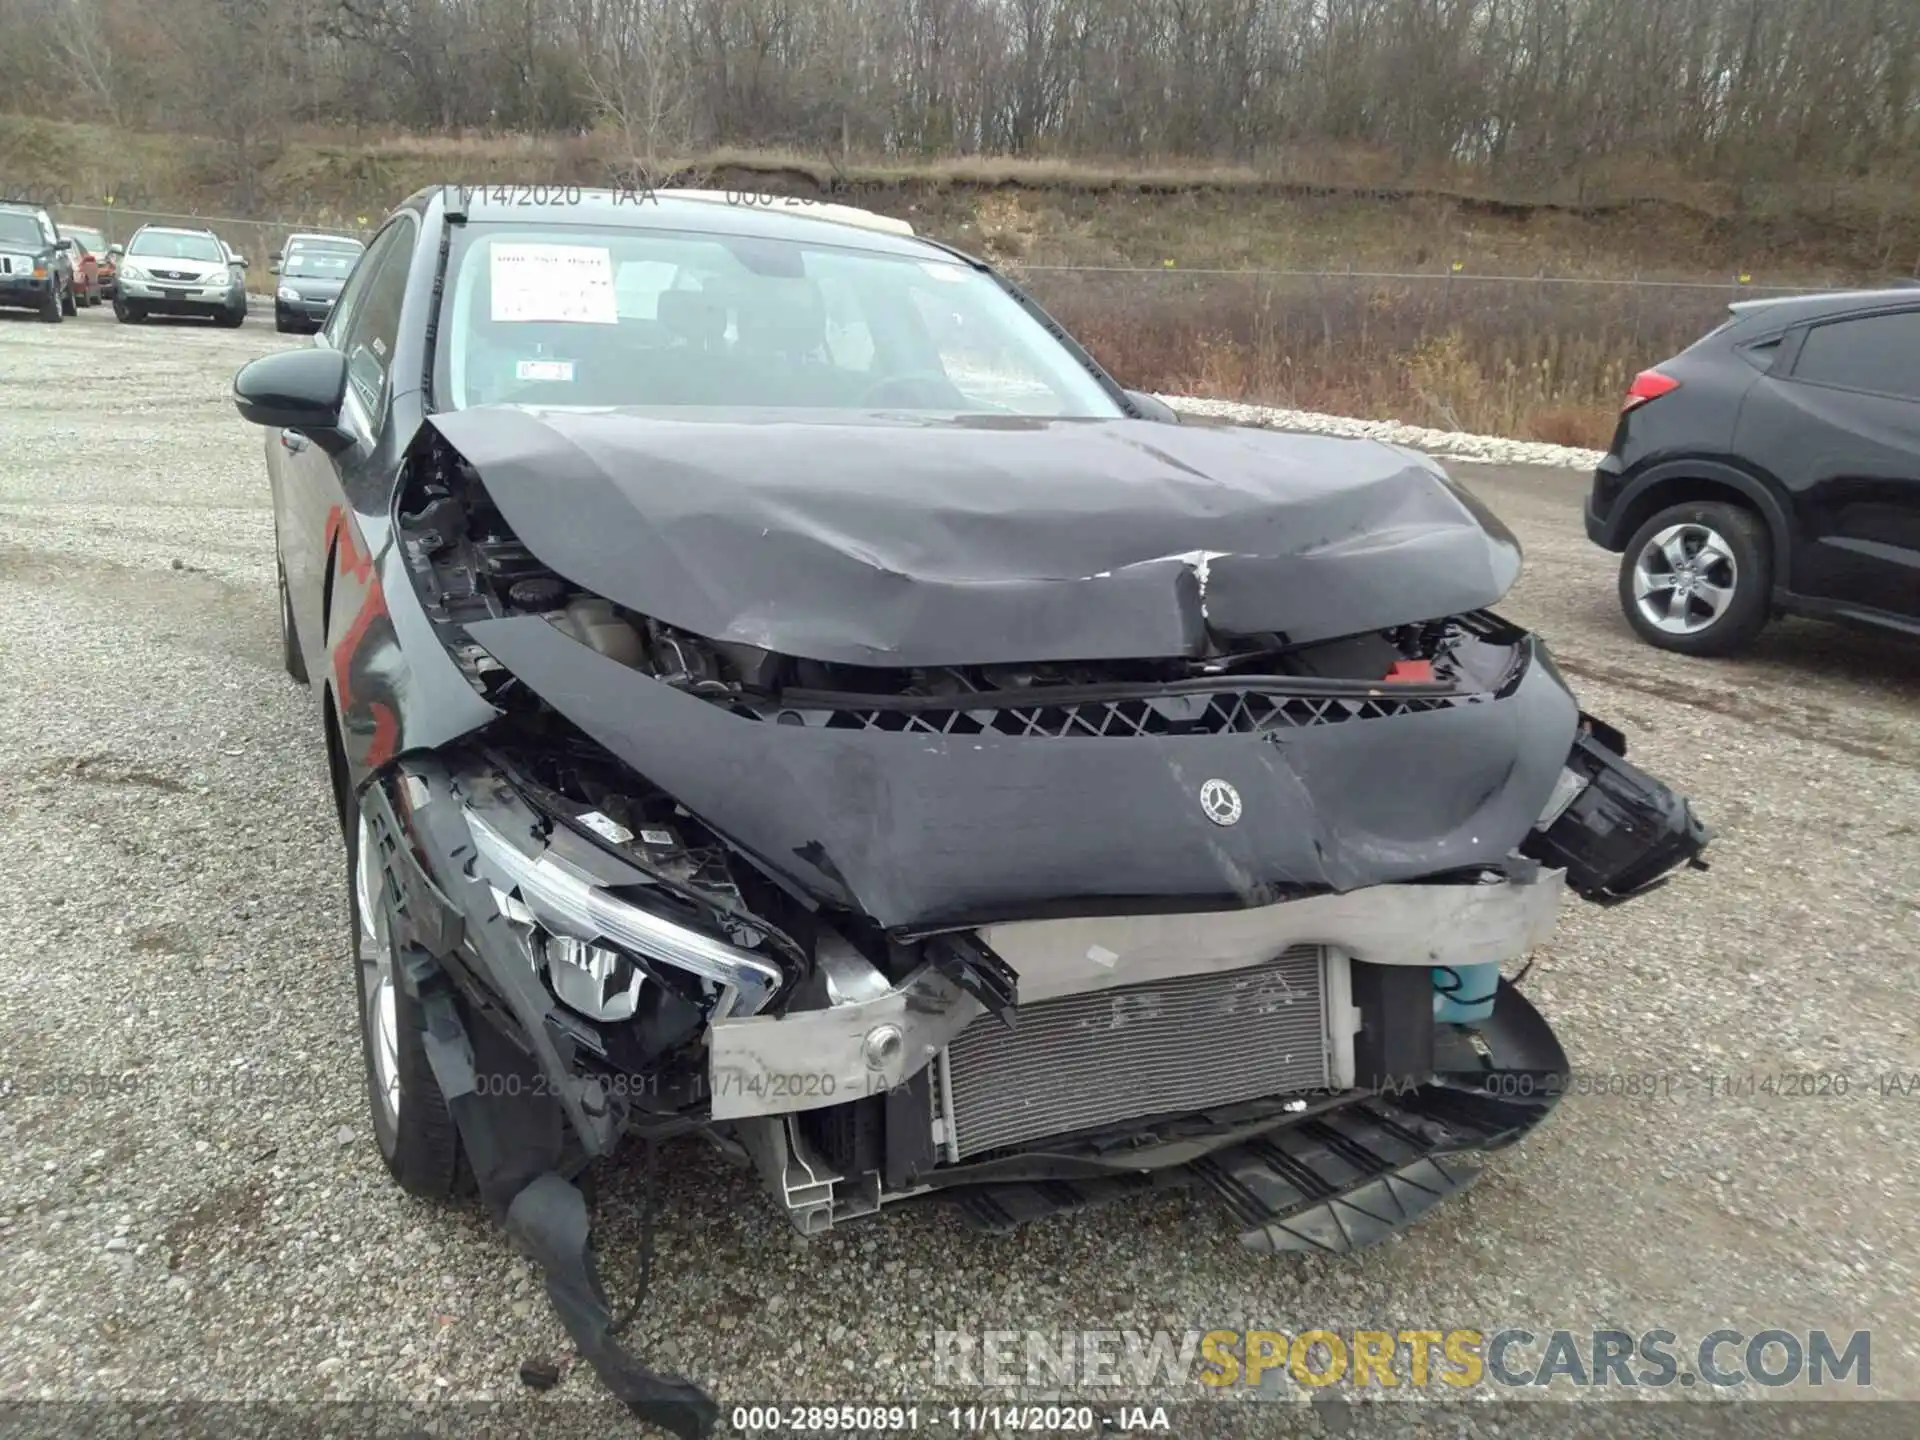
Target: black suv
1772,467
36,263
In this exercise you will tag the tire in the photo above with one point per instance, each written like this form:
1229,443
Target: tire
52,310
127,313
280,325
412,1127
71,304
233,319
290,655
1725,590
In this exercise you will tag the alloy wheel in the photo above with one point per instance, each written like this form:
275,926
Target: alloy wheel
376,961
1684,578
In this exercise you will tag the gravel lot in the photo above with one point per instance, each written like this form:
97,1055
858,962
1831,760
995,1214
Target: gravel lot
178,912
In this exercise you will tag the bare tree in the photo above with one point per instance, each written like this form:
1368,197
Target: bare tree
80,44
638,80
1537,93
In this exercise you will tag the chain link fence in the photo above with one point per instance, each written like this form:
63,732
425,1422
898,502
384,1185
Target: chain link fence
256,240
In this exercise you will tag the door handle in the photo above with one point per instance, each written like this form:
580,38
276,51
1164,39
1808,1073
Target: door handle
292,441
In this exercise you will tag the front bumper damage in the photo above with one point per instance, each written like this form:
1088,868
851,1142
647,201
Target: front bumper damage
835,1092
528,1119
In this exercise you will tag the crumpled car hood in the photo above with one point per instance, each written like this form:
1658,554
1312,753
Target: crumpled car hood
895,540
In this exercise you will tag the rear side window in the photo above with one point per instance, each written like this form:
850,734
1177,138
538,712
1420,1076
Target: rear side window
1876,353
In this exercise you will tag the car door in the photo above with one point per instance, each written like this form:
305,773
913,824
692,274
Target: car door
319,544
1840,425
62,262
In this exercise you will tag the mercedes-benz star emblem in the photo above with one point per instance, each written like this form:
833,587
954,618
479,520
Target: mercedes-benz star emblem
1221,802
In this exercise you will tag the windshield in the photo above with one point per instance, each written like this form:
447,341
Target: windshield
162,246
573,316
319,262
92,241
18,229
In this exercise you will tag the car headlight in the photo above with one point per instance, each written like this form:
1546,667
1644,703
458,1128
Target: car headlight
289,294
590,933
131,271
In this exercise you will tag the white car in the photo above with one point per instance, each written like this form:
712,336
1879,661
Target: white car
167,270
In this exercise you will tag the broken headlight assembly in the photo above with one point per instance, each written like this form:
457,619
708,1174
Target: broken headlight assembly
1614,829
597,948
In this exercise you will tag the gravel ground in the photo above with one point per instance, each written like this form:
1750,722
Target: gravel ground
226,1231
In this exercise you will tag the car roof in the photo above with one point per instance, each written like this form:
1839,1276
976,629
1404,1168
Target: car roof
1785,310
709,211
326,238
175,230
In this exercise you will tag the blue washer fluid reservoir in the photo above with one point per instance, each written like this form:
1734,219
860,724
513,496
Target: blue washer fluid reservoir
1463,993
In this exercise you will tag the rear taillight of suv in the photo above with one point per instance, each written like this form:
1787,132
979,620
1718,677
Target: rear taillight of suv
1647,385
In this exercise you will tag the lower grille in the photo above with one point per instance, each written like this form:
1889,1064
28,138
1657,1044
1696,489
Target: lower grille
1225,712
1086,1062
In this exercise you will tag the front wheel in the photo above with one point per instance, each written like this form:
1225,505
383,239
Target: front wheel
1697,578
52,309
69,304
127,313
412,1126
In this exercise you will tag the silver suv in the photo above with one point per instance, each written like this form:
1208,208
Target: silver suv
175,271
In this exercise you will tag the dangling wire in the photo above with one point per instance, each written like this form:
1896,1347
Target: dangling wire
650,1192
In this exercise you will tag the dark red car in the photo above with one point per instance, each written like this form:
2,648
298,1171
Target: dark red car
94,271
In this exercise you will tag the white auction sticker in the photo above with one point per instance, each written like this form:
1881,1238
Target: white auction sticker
543,370
566,283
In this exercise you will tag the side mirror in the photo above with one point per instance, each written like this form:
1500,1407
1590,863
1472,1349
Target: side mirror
297,390
116,251
273,258
65,242
1152,407
241,261
273,265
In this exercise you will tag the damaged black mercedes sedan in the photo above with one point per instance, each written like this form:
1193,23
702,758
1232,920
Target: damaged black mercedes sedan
778,688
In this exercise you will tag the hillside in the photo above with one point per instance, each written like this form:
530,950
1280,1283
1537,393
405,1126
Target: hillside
1412,335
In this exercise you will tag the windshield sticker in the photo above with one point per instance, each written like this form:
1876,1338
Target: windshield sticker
561,370
566,283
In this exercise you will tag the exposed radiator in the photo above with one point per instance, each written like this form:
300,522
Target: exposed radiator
1084,1062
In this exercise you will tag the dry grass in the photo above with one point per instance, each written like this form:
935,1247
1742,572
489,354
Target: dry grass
1543,362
